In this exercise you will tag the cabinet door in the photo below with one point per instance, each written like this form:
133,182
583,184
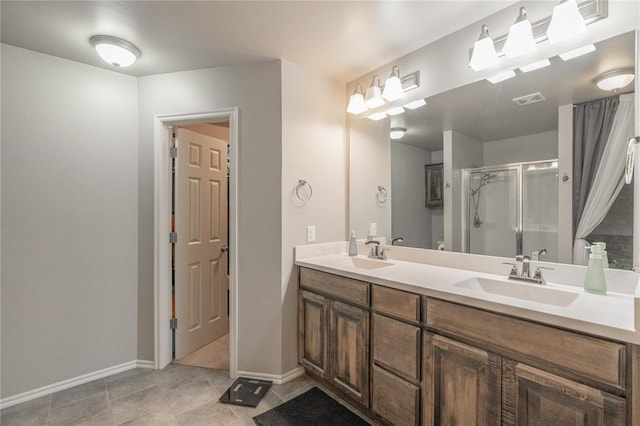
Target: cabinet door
312,330
394,399
535,397
461,384
349,346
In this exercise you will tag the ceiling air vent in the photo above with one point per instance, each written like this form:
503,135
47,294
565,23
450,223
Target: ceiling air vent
529,99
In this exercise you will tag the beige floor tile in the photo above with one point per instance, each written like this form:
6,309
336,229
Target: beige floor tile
212,413
130,383
190,396
145,402
77,393
164,417
79,411
215,355
31,413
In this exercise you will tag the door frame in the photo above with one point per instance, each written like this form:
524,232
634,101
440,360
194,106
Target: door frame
162,226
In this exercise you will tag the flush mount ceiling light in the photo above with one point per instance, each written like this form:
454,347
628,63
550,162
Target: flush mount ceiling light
484,52
615,80
393,86
566,22
356,101
373,99
520,39
117,52
397,133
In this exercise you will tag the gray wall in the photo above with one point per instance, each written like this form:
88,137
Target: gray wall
410,218
534,147
256,90
69,219
314,149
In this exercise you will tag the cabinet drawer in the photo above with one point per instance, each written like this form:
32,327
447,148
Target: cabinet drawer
396,347
547,347
346,289
394,399
396,303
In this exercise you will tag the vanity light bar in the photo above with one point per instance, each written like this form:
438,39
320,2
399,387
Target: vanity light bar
566,56
377,116
395,110
415,104
502,76
536,65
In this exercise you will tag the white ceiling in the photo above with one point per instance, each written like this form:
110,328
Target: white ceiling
340,39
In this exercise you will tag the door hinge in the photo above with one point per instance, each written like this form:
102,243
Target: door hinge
173,323
173,152
173,237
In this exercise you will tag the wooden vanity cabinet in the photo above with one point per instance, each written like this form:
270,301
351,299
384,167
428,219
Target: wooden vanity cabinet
396,356
333,331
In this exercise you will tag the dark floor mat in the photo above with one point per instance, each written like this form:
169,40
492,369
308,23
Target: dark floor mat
313,407
247,392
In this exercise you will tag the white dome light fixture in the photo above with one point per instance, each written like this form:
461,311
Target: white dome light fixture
397,133
615,80
117,52
484,52
566,22
520,38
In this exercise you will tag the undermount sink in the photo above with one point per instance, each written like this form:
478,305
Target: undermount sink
530,292
366,263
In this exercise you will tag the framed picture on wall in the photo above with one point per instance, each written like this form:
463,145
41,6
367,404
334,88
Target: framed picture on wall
433,185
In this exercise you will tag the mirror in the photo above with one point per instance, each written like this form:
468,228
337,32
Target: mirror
500,147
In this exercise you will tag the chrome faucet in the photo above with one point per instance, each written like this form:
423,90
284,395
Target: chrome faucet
396,240
376,252
523,273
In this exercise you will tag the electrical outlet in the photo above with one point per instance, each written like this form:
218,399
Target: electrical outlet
311,234
373,227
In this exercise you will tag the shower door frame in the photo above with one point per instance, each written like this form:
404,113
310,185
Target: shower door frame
466,177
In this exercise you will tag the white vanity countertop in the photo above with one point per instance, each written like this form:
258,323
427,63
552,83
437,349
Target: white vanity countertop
610,316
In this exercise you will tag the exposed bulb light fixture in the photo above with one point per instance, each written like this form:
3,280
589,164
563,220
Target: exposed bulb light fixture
535,66
566,56
393,86
484,52
520,38
415,104
117,52
566,22
356,101
615,80
373,99
377,116
397,133
502,76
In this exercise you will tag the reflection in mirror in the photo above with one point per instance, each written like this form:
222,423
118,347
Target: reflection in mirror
501,145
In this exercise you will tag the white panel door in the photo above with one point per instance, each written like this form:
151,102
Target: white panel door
201,280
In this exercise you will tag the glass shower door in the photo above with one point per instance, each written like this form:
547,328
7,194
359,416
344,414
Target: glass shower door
494,211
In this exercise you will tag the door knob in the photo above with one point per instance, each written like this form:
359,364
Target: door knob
224,248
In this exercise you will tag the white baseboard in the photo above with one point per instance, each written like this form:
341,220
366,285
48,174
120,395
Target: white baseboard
69,383
277,379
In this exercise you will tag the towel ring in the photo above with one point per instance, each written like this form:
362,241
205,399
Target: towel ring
382,195
630,161
300,191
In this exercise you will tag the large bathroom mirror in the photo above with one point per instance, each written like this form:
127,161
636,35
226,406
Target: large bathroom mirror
500,145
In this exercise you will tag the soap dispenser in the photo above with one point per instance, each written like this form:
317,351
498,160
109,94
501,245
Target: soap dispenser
594,280
353,248
603,250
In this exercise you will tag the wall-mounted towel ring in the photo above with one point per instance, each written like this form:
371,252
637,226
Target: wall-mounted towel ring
630,161
304,191
382,195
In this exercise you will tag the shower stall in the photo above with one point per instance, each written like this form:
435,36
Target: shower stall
511,209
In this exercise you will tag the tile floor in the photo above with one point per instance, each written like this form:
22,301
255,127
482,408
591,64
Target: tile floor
214,355
177,395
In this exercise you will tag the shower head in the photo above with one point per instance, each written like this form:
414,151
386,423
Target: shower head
483,183
488,176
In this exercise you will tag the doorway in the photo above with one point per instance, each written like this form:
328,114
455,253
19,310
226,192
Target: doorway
163,296
200,230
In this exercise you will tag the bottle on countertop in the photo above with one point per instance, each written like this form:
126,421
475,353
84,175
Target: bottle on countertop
353,247
594,281
603,250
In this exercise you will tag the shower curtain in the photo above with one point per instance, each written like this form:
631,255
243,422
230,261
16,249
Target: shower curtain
608,180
